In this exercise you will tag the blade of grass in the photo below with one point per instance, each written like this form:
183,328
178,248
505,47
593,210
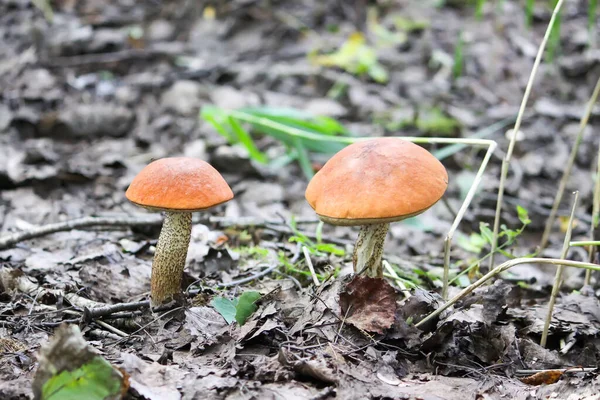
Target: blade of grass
246,140
303,159
300,119
559,272
511,146
592,12
457,67
529,4
210,115
554,40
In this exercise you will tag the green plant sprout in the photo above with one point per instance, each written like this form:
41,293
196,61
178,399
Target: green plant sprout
255,252
476,242
295,268
355,56
314,247
238,309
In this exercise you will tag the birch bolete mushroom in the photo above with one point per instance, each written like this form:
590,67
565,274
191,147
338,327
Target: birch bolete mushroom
178,186
372,183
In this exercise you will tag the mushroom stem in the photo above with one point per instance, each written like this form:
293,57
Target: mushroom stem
368,250
169,258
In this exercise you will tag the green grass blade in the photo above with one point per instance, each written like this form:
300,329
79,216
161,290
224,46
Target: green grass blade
245,138
592,12
457,68
299,119
303,159
529,5
553,46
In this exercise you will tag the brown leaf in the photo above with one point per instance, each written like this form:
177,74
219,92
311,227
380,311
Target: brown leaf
544,377
368,304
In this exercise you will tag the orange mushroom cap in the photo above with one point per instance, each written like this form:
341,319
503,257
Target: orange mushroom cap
179,184
376,181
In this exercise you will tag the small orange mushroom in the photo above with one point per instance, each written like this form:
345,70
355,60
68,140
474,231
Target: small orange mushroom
178,186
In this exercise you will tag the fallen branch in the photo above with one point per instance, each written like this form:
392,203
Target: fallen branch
131,221
85,222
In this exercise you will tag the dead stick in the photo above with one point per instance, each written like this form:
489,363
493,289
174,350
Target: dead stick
129,221
85,222
559,273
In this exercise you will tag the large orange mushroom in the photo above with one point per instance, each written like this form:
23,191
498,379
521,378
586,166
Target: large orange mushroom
371,184
178,186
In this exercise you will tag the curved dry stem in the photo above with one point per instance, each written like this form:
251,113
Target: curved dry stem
368,250
511,145
501,268
595,219
169,258
567,171
460,214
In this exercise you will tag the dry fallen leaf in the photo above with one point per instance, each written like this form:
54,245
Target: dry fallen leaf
368,304
543,378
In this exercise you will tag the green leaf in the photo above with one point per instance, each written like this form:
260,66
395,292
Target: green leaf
246,306
225,307
239,309
523,215
303,159
486,232
95,380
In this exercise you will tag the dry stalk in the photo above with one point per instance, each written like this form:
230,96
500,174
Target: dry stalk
595,220
511,146
567,171
559,273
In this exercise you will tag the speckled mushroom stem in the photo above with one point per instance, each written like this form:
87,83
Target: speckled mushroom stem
169,258
368,250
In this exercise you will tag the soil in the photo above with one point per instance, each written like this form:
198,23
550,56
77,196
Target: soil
92,96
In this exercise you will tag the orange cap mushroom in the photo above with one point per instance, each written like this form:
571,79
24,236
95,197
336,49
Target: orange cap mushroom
179,186
372,183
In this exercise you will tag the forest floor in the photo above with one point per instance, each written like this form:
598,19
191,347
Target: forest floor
91,98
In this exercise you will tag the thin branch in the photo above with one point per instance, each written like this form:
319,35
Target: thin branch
511,146
567,171
131,221
85,222
499,269
559,273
